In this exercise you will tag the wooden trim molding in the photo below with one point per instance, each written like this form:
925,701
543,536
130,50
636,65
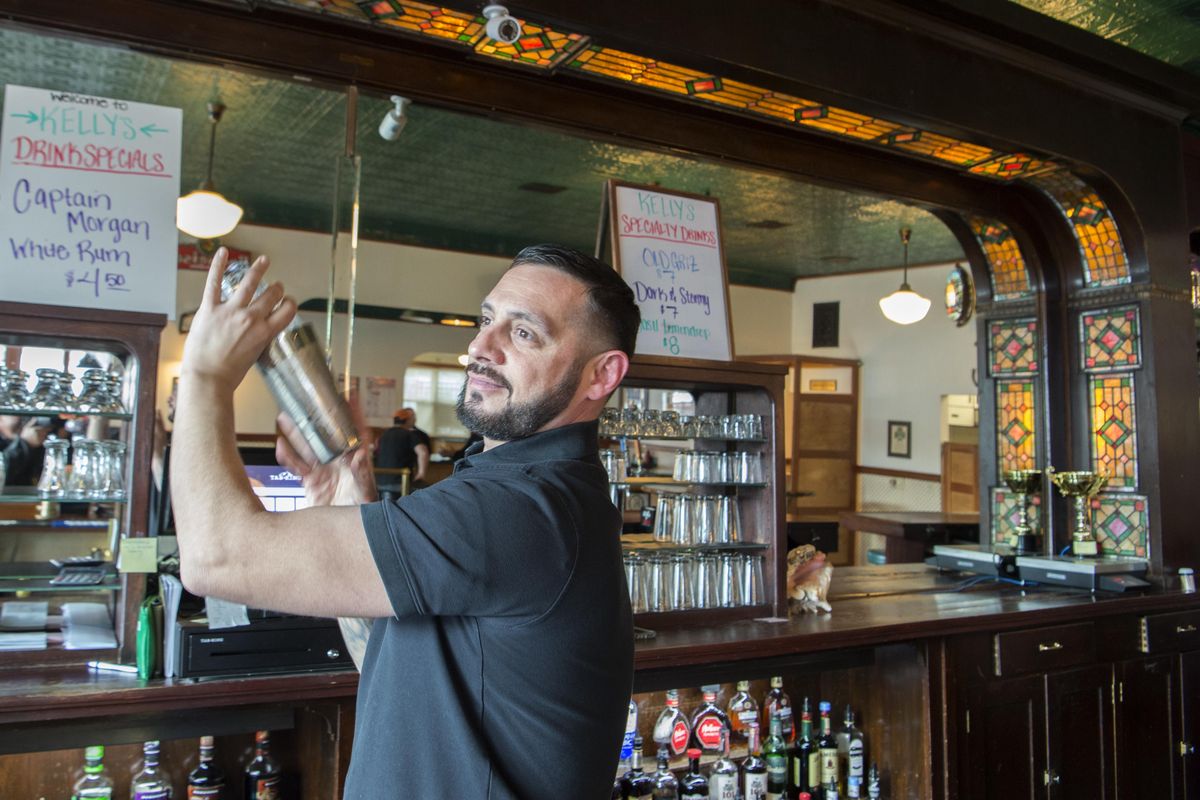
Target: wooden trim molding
898,473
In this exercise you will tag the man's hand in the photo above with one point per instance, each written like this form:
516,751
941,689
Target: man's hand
226,338
345,481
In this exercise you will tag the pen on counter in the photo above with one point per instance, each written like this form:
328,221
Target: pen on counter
108,666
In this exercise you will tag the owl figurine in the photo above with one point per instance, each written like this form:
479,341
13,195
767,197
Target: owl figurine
808,576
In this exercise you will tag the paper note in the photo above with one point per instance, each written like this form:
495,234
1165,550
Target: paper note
138,555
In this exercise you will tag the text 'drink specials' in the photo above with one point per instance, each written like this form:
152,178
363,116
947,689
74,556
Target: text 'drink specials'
87,201
668,248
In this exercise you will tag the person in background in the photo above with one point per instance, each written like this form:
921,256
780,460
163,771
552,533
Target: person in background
500,661
401,447
22,441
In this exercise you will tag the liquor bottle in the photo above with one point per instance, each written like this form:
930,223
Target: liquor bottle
775,754
827,744
754,768
777,700
150,783
723,776
805,758
694,785
873,782
637,782
709,723
671,731
665,785
630,731
95,782
853,787
206,780
851,751
263,776
743,709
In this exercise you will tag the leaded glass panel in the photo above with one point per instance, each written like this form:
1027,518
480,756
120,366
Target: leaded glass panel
1006,515
1121,523
1111,339
1010,278
1013,347
1016,424
1104,259
1114,429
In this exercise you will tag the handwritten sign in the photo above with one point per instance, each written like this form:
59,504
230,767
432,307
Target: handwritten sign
668,248
87,201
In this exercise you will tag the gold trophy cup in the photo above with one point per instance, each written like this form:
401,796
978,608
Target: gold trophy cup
1081,486
1023,483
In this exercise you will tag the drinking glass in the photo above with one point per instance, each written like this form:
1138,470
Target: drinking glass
114,485
114,405
729,583
66,391
682,530
83,476
705,581
634,577
94,398
48,392
53,482
610,422
728,520
664,518
704,522
680,597
752,580
16,395
671,426
631,422
656,583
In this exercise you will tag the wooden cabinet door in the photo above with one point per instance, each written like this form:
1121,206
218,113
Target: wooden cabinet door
1079,710
1004,756
1148,729
1189,723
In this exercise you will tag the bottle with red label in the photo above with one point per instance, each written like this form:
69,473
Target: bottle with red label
743,709
778,702
710,725
206,781
263,776
671,731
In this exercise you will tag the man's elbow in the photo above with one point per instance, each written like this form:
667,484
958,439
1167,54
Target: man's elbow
195,577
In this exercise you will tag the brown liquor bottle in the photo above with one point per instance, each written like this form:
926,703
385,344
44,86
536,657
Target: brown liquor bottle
263,775
206,781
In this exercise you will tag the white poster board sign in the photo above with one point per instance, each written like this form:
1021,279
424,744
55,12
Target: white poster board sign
667,246
87,201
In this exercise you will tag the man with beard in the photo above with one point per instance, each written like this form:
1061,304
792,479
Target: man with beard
500,661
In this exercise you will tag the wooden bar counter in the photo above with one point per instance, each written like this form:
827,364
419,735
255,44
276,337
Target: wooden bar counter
964,690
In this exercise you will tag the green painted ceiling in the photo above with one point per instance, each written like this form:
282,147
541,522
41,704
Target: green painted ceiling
453,180
1168,30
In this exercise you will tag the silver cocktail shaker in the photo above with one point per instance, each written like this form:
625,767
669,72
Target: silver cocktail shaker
294,367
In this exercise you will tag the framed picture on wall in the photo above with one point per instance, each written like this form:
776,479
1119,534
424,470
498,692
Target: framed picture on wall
899,439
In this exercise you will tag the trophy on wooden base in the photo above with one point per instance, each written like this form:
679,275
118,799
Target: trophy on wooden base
1023,483
1081,486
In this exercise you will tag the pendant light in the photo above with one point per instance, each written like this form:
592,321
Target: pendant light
904,306
205,213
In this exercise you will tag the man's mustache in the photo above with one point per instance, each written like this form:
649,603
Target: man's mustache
490,374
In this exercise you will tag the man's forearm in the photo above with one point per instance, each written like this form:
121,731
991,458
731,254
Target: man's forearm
213,504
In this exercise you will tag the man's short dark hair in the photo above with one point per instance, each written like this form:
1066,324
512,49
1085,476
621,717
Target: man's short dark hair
610,299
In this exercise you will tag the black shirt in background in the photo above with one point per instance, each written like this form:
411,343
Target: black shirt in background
507,669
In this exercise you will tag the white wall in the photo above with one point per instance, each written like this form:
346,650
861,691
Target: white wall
905,368
407,277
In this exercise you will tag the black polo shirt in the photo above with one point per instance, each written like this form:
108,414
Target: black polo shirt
507,670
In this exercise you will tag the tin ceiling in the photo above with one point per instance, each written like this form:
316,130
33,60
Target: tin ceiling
465,182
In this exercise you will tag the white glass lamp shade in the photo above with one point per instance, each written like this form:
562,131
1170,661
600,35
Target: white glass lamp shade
205,214
904,306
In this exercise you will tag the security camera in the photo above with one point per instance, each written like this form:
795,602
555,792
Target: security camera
500,25
395,120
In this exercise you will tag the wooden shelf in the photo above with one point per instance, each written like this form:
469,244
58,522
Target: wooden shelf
65,412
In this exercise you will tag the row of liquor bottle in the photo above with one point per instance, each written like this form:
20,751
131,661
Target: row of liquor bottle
261,779
821,763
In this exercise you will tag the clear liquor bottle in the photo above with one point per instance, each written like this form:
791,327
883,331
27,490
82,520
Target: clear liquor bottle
672,731
95,782
743,709
151,783
778,700
709,723
873,783
723,776
694,785
805,759
827,744
754,768
775,754
666,787
637,782
206,781
263,775
852,752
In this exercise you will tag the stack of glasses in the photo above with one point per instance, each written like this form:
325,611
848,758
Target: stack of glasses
96,469
711,466
671,425
685,581
101,393
684,519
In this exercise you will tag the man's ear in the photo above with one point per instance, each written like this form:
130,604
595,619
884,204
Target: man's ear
607,372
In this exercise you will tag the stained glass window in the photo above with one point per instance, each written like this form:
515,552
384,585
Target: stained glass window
538,46
1010,279
1012,165
1114,429
1111,339
442,23
342,8
1006,515
1105,263
1016,444
1013,347
1121,524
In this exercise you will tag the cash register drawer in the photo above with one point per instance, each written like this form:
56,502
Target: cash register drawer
290,645
1179,630
1041,649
